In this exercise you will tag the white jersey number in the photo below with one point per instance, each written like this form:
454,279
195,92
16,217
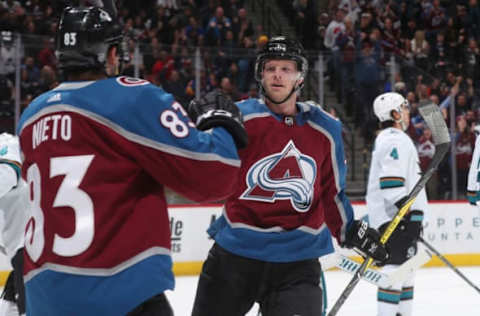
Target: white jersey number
70,195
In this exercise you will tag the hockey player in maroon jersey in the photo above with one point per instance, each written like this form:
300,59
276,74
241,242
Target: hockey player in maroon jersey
98,152
288,200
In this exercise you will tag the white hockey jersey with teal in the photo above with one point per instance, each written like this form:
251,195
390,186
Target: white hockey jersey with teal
473,185
394,171
14,202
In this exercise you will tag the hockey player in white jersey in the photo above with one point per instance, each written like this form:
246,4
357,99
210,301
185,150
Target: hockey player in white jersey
13,210
473,184
394,170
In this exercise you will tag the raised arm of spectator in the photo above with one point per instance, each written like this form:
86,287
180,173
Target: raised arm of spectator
453,92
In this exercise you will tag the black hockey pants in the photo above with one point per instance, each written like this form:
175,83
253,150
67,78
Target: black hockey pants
14,290
230,285
155,306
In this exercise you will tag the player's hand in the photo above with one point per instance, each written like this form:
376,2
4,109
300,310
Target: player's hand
366,240
215,109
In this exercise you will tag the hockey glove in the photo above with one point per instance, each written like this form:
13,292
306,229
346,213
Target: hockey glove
366,240
414,227
473,197
215,109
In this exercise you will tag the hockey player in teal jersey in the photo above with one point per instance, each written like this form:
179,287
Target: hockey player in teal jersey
473,180
394,171
14,210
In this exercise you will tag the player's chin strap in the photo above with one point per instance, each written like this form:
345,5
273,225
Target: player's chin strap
299,86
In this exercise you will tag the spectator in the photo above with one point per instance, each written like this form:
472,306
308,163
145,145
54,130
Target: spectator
7,54
164,62
426,150
176,87
217,27
435,21
367,76
420,50
464,145
471,60
228,89
46,56
241,26
335,28
346,42
474,18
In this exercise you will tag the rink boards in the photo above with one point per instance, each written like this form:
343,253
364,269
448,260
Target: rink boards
453,228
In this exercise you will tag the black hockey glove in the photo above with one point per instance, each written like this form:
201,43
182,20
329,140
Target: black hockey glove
414,227
215,109
366,240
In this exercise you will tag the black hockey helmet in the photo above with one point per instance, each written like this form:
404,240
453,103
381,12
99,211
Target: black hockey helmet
84,37
280,47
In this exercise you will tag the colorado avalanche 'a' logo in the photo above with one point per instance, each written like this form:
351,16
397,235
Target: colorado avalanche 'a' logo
288,175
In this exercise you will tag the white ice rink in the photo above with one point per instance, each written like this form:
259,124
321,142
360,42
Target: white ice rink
438,292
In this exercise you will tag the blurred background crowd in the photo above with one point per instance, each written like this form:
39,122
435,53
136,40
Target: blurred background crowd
357,49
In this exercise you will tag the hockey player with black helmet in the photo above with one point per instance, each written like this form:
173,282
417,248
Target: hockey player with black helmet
394,171
98,151
288,201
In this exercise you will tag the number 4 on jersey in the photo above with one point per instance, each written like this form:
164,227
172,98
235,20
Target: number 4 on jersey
394,153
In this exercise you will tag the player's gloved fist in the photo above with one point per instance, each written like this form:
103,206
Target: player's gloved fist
366,240
215,109
414,226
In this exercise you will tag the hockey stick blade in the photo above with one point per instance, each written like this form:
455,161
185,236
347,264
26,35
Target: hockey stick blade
434,120
376,277
449,264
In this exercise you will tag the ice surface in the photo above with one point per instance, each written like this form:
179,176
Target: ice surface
438,291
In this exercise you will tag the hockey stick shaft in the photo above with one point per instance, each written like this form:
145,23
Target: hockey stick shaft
368,260
449,264
435,121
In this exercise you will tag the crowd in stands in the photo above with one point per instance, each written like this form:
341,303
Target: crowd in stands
167,33
429,47
434,45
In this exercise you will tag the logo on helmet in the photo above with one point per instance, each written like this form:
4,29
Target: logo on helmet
278,47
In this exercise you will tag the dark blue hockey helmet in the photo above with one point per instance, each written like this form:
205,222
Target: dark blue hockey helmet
84,37
280,47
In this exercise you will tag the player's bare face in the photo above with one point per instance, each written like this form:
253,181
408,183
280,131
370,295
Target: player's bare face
406,116
279,78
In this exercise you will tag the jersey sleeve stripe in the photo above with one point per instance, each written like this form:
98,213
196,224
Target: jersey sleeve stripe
14,164
131,136
391,182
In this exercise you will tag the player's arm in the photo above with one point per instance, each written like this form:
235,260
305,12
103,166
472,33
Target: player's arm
8,178
9,163
200,165
473,185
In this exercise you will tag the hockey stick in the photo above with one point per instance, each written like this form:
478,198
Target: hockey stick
448,263
346,264
441,138
375,277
